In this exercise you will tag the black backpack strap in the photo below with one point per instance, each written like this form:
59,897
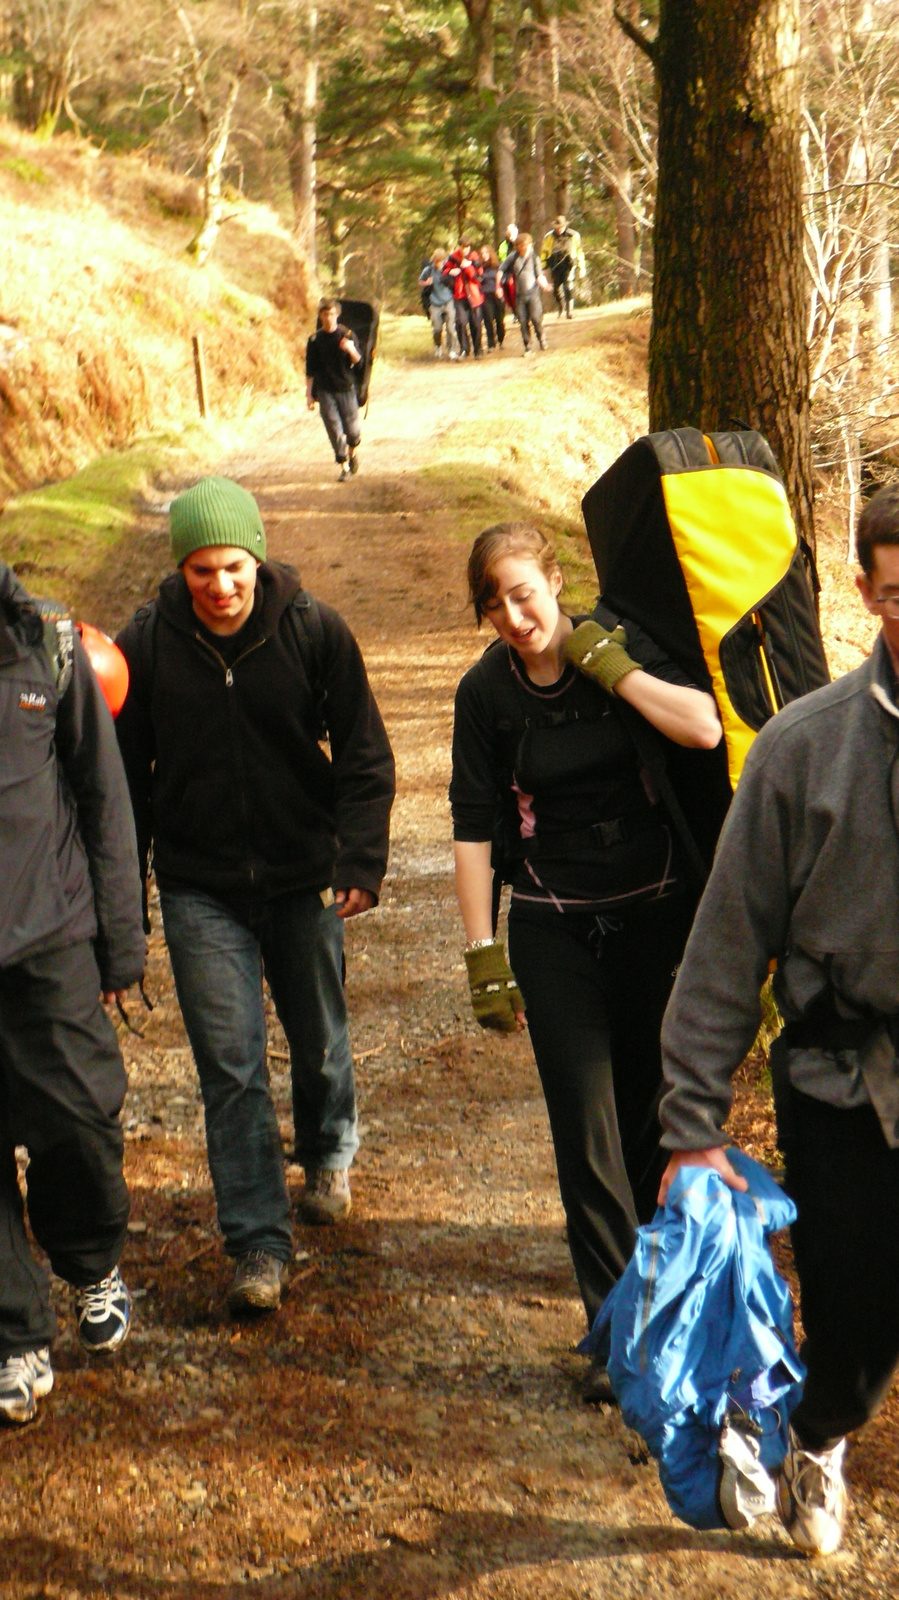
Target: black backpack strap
309,632
648,745
647,742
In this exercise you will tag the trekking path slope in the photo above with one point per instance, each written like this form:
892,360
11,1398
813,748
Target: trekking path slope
408,1427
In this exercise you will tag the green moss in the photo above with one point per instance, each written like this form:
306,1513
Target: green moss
68,530
23,169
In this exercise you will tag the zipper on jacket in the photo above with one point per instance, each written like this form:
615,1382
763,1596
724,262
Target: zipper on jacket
229,684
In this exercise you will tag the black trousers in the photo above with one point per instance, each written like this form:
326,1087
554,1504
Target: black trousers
595,1003
844,1179
494,312
468,327
62,1083
563,289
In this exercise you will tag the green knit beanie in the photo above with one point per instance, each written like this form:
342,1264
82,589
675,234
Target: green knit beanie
215,511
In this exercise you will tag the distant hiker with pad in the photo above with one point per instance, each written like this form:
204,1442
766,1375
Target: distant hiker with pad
262,845
548,788
807,876
331,355
70,930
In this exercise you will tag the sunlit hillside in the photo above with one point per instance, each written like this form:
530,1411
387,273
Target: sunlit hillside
98,303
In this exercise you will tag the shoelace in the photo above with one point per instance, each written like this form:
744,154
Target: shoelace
97,1304
14,1368
254,1263
816,1485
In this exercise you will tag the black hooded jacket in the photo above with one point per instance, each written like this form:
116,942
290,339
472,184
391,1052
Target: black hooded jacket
67,849
228,778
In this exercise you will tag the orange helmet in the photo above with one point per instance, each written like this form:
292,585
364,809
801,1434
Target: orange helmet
108,663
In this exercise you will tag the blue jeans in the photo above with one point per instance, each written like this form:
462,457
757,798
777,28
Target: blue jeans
340,415
218,962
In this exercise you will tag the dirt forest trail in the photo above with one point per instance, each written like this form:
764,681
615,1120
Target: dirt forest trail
408,1427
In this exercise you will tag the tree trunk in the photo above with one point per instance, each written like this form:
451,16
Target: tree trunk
302,113
201,246
625,226
502,151
536,181
729,294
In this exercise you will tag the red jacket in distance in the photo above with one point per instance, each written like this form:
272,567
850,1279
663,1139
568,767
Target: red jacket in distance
463,275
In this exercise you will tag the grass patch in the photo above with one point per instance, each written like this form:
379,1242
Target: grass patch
404,338
549,436
26,171
67,531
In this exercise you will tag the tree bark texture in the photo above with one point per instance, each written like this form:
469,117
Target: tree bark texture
729,295
302,111
502,152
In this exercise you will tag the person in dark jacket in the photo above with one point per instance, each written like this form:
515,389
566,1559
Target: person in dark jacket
494,310
262,846
70,930
806,879
331,355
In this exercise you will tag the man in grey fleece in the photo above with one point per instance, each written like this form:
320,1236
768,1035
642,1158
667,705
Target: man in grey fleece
807,875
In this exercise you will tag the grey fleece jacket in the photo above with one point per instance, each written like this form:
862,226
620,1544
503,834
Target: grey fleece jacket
807,873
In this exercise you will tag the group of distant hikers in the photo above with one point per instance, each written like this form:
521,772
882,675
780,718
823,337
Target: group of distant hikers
250,765
466,291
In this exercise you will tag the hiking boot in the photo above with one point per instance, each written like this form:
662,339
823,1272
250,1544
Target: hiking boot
326,1197
258,1280
811,1497
104,1314
596,1388
354,464
24,1380
746,1491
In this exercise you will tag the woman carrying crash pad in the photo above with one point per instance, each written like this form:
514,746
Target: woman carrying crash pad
547,783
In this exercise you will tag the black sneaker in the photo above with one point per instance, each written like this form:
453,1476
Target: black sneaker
24,1380
259,1278
104,1313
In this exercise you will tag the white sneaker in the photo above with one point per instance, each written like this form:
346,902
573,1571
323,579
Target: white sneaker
747,1490
811,1497
24,1380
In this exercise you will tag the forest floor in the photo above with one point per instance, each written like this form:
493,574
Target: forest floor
408,1426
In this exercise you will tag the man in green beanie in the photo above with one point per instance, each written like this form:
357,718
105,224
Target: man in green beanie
262,846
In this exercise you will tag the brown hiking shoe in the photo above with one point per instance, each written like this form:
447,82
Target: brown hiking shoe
326,1197
258,1281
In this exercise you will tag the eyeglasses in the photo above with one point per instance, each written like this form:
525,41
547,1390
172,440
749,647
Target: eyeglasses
890,603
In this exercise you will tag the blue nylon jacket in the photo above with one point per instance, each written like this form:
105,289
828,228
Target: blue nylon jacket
699,1328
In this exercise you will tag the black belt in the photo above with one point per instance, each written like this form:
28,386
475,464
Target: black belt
598,836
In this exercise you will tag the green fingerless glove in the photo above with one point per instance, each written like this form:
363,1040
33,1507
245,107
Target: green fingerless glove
495,996
600,655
